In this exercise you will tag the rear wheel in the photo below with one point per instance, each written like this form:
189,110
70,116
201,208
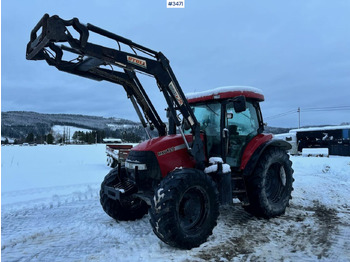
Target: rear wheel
127,208
185,208
270,186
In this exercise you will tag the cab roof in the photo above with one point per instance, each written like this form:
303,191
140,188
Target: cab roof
224,93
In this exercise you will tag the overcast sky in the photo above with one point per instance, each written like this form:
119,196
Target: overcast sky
296,52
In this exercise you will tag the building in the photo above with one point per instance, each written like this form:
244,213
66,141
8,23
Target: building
335,138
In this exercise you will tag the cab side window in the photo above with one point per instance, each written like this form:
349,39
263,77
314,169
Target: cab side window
242,128
208,116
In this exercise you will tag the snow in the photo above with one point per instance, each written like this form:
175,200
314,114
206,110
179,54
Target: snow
51,212
158,197
49,170
214,167
307,129
67,130
10,140
215,160
118,126
322,152
223,89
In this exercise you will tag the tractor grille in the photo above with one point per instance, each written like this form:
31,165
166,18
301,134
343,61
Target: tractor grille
150,177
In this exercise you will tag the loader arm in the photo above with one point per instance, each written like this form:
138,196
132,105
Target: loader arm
117,66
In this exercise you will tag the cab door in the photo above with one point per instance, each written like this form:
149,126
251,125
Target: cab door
209,117
241,127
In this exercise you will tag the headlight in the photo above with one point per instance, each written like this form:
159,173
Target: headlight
133,165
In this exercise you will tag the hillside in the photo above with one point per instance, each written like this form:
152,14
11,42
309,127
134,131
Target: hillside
18,124
276,130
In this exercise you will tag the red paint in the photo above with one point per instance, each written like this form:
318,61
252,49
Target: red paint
168,156
252,146
225,95
119,146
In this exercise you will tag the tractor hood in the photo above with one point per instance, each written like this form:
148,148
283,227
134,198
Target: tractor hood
170,151
159,144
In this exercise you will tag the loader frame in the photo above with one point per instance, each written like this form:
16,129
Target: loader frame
90,58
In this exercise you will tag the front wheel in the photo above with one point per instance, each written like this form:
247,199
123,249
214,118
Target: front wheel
269,188
114,163
125,209
185,208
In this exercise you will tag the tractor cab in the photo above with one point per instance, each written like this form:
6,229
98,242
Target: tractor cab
229,118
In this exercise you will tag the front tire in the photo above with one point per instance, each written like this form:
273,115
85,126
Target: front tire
108,161
269,188
114,163
185,208
125,209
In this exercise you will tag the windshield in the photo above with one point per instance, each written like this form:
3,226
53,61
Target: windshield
208,115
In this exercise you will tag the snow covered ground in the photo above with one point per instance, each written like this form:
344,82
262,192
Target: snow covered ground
51,212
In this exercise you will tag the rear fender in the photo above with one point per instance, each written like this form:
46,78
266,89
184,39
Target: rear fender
251,160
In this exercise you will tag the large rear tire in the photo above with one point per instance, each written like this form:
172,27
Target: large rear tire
270,186
125,209
185,208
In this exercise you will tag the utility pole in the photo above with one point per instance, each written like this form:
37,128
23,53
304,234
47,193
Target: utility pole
299,116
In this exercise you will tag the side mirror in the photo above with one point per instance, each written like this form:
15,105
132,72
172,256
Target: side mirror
239,104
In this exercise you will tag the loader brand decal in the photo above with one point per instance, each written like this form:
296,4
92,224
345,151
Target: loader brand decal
171,149
176,93
136,61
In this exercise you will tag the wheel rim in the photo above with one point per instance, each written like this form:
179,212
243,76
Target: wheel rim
193,209
276,181
131,202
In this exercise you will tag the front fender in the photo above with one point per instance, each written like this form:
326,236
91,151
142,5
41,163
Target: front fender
253,151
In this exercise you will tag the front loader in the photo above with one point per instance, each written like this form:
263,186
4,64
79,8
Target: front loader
212,150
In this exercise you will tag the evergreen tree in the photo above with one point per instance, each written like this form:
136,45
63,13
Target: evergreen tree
49,139
131,137
30,138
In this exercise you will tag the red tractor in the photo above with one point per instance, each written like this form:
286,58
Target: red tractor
212,150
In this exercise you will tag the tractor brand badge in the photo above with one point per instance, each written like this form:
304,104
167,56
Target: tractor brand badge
176,93
166,151
136,61
171,149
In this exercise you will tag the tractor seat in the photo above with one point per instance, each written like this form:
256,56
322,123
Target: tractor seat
233,130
